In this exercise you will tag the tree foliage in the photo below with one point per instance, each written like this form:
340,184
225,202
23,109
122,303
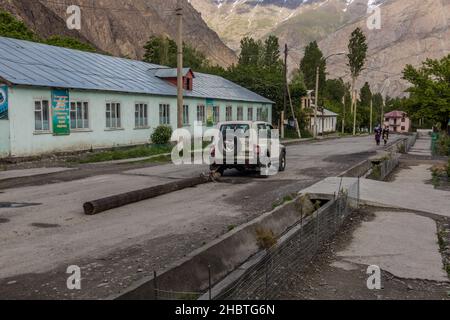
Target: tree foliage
430,90
357,48
13,28
312,59
163,51
68,42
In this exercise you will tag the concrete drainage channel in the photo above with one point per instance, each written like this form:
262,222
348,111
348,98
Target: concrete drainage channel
250,262
225,262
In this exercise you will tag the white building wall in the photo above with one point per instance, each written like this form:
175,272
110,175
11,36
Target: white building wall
5,146
25,141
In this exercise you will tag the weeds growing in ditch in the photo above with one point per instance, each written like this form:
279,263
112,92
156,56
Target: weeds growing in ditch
285,199
265,238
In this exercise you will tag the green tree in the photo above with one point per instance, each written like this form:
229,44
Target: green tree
271,51
312,59
377,108
430,90
357,55
69,42
12,28
161,50
251,52
365,99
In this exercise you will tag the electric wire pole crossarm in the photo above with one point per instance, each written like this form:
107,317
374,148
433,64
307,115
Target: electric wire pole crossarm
316,102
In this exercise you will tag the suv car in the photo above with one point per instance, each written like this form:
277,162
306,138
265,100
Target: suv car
247,145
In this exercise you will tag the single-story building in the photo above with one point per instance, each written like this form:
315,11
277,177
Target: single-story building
326,121
55,99
397,121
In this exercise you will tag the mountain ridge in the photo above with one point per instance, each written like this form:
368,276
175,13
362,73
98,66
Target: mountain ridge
122,31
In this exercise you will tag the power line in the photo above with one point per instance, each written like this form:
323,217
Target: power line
93,7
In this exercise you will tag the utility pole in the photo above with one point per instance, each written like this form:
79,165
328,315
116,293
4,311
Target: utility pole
343,118
285,86
179,12
355,103
316,102
371,117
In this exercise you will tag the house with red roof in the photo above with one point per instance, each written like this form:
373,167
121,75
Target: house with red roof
397,121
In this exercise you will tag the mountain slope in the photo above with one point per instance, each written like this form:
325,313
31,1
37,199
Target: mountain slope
122,27
411,31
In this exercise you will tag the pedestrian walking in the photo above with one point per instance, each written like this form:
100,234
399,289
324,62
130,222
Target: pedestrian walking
378,132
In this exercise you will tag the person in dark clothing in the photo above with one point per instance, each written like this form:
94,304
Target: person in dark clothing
386,135
378,132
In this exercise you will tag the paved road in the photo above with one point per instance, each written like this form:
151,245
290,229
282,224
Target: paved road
45,230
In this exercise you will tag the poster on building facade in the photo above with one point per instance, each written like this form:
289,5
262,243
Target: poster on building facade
209,112
61,112
3,102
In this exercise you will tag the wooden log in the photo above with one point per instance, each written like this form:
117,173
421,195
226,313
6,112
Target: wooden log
101,205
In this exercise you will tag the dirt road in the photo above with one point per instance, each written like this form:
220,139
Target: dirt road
43,229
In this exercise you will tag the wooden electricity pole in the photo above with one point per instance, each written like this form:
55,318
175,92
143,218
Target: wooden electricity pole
285,88
371,115
316,102
179,12
343,117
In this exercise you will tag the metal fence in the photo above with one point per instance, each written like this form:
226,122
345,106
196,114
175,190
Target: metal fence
270,273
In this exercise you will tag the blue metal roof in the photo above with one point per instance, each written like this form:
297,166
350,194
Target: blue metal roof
35,64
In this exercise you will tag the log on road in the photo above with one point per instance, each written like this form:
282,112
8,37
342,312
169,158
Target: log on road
101,205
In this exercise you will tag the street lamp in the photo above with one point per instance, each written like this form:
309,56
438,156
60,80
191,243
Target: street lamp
317,90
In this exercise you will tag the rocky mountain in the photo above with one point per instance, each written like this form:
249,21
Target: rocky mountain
293,20
411,31
122,27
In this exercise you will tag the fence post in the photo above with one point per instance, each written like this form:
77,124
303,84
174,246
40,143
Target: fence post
266,271
358,195
209,280
155,285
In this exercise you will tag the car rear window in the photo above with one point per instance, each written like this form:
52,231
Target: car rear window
234,127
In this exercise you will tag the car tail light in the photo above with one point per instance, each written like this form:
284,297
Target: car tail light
213,152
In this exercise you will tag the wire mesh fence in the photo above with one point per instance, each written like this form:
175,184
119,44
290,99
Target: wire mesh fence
268,274
267,277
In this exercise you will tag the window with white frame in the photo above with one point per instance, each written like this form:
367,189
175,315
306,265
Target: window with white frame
41,115
140,115
186,115
250,114
216,114
240,113
79,115
201,113
229,114
164,114
113,120
259,114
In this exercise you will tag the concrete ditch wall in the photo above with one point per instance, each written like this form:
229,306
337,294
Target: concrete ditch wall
265,276
386,166
223,256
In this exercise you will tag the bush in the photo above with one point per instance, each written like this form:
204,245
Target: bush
448,168
162,135
266,238
443,145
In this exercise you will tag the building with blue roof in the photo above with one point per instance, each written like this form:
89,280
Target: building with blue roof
55,99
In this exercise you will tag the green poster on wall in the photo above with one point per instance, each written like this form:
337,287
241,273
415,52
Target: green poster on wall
3,102
60,112
209,112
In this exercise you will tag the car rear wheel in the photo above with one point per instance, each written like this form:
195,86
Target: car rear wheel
282,165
